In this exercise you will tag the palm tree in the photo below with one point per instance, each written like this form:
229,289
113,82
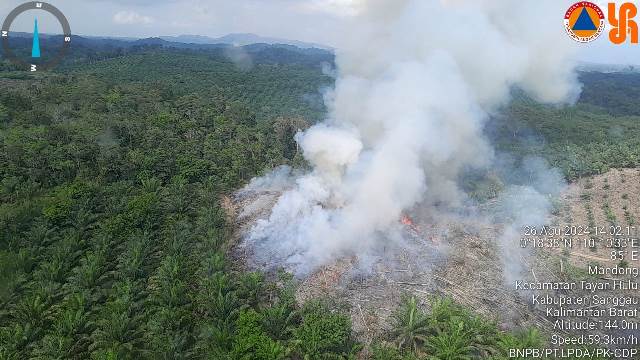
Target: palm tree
452,344
40,234
15,338
411,325
54,346
151,185
91,271
169,283
214,341
214,238
134,262
212,264
279,320
215,296
178,239
118,330
33,310
210,217
52,270
83,221
225,307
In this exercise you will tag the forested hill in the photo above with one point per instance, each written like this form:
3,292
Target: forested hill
272,80
268,89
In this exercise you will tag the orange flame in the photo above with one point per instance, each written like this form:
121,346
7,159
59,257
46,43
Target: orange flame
406,220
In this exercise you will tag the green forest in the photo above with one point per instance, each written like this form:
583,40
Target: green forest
581,140
113,242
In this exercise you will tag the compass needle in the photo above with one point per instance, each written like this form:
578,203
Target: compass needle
35,50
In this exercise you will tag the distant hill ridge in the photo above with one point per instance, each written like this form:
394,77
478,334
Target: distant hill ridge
100,48
241,39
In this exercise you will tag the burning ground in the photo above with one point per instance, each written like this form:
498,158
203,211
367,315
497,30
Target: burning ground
458,257
449,255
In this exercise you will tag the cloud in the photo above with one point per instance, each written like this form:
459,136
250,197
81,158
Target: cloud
136,2
332,7
131,18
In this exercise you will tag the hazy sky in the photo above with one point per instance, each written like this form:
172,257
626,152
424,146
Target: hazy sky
307,20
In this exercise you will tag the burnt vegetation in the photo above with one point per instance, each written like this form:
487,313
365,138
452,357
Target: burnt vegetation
113,241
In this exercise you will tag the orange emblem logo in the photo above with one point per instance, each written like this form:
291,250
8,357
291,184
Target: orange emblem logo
622,23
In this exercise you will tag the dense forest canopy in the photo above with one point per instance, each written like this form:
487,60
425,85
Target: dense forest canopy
598,133
113,242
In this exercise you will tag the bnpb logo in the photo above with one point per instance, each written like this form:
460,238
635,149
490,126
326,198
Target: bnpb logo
584,21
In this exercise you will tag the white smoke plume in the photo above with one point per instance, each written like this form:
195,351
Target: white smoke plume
416,79
239,57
